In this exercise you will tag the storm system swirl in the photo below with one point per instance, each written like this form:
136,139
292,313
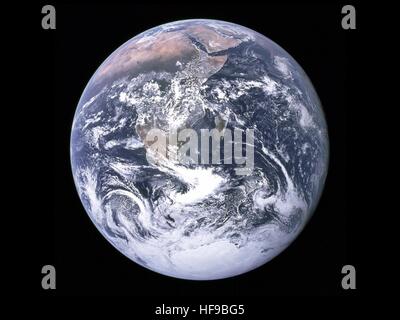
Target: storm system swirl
199,221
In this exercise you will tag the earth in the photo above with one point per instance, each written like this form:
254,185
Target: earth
199,221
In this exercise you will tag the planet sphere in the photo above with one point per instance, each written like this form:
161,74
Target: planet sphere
199,220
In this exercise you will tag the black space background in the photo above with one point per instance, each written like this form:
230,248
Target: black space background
68,56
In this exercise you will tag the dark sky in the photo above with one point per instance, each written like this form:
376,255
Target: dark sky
67,57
